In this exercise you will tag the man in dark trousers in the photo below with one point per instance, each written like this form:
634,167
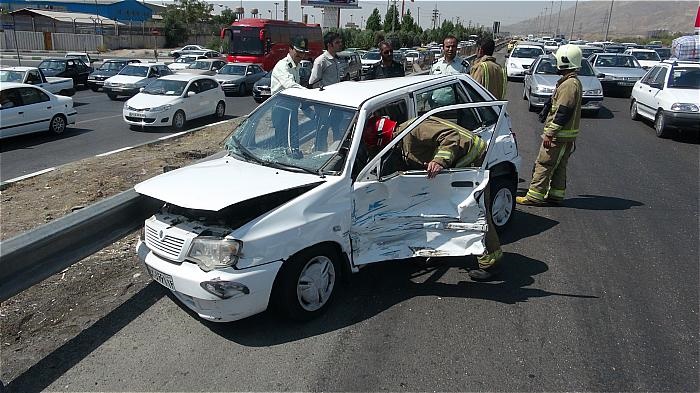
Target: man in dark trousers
387,67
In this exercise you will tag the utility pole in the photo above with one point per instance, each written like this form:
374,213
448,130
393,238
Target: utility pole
286,9
435,16
549,25
276,4
558,17
573,22
418,19
393,17
544,19
607,30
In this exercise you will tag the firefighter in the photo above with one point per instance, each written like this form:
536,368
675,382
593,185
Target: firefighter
561,128
433,145
489,73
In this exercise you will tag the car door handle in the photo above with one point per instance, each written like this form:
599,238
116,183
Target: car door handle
49,107
461,184
20,113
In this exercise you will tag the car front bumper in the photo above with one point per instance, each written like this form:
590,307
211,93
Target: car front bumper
618,84
147,118
231,89
588,103
682,119
183,280
120,91
261,94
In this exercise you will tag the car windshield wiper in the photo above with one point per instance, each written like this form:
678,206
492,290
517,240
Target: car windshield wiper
293,168
244,153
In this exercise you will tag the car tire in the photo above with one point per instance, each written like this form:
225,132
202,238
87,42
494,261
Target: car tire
634,115
220,110
307,283
502,204
531,107
112,97
179,120
95,88
660,127
524,93
58,124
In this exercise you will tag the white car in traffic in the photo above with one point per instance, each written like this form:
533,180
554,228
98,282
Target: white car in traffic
173,100
132,78
647,58
521,58
669,94
25,109
294,206
185,61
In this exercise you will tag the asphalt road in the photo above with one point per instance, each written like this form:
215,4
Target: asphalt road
99,129
600,294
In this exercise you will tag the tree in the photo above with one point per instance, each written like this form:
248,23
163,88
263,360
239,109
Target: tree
226,17
408,24
391,19
177,19
374,22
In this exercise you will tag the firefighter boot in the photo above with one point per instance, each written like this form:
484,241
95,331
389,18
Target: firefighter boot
488,266
525,201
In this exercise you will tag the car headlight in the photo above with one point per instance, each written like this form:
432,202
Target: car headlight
161,108
594,92
130,85
126,106
213,252
544,89
684,107
228,83
91,77
513,65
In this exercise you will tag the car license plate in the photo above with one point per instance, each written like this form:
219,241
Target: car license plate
626,83
136,114
264,93
165,279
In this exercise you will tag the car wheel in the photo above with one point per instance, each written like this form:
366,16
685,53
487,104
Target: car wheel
95,88
531,107
502,204
662,130
524,93
258,100
220,111
57,125
307,283
112,97
179,120
634,115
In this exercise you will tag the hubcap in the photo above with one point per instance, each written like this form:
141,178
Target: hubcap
316,283
220,110
58,125
633,110
179,120
502,207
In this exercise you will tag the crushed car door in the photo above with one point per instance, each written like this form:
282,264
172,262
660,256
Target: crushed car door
402,214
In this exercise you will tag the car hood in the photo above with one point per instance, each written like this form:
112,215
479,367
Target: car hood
125,79
263,82
622,71
689,96
143,101
216,184
224,77
178,66
549,80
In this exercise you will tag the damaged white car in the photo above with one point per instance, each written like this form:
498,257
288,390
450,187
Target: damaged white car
297,203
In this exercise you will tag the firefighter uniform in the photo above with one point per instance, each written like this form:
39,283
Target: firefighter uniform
490,75
549,177
450,145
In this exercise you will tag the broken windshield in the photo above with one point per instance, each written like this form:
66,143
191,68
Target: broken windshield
293,134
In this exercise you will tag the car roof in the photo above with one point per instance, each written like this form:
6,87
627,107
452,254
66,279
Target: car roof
681,62
9,85
17,68
353,94
117,59
240,64
146,64
528,46
185,77
208,60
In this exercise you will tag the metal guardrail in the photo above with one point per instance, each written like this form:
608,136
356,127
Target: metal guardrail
36,255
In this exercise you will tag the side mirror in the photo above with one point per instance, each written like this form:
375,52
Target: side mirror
249,73
191,93
656,85
600,76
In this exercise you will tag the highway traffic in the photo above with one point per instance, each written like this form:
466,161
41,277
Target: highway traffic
607,282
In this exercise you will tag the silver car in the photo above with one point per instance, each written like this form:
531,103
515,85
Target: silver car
620,72
203,67
542,77
239,78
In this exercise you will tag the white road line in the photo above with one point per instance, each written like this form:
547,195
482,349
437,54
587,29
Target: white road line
97,119
30,175
194,129
162,138
114,151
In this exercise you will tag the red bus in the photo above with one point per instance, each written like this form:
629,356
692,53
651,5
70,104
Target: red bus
266,41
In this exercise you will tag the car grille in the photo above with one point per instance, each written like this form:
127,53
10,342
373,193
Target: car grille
168,246
146,120
631,78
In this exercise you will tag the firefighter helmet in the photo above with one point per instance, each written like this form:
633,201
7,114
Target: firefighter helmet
378,132
568,57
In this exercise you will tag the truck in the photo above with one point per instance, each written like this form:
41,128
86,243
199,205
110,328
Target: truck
34,76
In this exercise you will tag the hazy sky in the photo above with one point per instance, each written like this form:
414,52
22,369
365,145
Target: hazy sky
480,12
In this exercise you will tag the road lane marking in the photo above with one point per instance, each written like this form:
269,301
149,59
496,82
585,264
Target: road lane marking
97,119
192,130
162,138
37,173
114,151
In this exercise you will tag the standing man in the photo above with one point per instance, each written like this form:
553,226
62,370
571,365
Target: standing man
387,67
560,131
285,75
487,72
450,63
286,71
326,68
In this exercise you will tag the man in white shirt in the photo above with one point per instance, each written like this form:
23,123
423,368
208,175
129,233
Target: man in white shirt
326,68
286,71
450,63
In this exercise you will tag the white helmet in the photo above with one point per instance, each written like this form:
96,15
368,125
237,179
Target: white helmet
568,57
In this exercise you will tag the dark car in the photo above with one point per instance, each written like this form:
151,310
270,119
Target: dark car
261,88
664,53
109,67
68,68
615,49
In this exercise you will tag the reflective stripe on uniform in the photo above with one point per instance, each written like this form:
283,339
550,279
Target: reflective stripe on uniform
478,145
505,82
534,195
488,260
567,133
444,154
556,193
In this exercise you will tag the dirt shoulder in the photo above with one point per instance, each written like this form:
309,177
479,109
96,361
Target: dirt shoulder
39,320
